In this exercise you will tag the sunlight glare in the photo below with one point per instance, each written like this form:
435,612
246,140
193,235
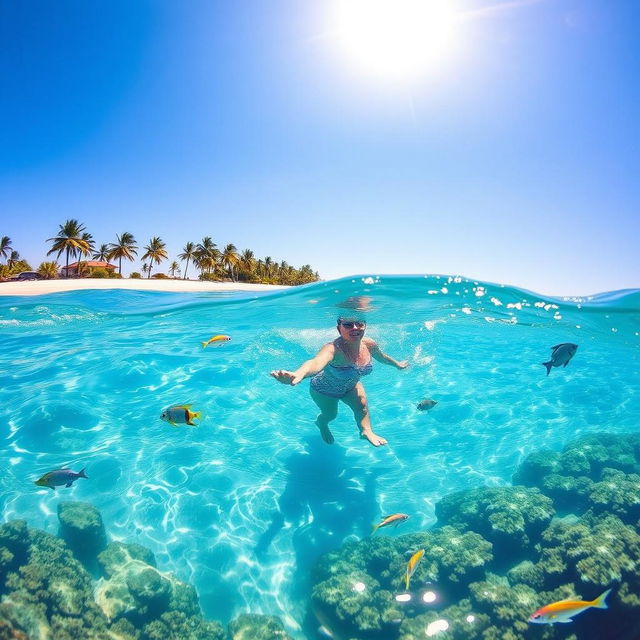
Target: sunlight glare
396,39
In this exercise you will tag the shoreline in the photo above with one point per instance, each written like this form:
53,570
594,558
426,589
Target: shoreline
43,287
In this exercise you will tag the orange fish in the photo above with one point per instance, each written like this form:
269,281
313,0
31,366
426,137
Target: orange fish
565,610
394,519
220,339
412,565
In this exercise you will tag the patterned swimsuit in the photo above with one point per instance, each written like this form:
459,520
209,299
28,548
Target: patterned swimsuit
336,382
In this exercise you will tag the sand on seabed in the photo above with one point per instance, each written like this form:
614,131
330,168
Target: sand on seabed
40,287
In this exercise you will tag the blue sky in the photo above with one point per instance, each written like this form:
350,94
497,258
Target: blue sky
513,159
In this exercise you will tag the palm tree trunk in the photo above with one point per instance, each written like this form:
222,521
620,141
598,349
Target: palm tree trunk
185,270
67,269
120,266
149,272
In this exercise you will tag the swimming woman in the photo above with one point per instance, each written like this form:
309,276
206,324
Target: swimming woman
336,370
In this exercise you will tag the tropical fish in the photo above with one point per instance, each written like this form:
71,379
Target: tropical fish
565,610
394,519
217,339
412,565
59,478
180,414
560,355
426,404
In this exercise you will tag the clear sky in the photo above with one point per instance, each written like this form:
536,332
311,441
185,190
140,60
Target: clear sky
511,155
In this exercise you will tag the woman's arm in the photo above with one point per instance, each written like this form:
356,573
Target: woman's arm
380,356
307,368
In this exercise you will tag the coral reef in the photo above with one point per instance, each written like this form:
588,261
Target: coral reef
496,555
161,606
256,627
48,594
509,517
356,587
81,527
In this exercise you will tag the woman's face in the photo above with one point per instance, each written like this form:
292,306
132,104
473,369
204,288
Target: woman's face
351,329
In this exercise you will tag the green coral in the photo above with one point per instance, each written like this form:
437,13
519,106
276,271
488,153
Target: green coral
49,594
81,527
175,625
586,456
617,493
365,610
52,590
536,466
509,517
598,451
117,554
462,623
14,544
569,493
509,608
596,554
527,573
250,626
356,587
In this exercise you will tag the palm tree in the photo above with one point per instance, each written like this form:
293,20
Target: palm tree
48,270
207,255
71,240
13,258
86,252
102,253
268,265
188,253
230,258
260,268
5,246
125,247
155,251
173,268
247,263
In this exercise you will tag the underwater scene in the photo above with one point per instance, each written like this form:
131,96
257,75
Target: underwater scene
158,483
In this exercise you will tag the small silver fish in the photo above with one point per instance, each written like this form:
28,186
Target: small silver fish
426,404
561,354
59,478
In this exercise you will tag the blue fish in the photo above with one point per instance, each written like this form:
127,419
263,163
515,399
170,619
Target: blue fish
60,478
560,355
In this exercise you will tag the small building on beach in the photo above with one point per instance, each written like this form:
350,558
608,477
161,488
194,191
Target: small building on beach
85,268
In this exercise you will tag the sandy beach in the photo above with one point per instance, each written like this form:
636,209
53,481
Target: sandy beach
41,287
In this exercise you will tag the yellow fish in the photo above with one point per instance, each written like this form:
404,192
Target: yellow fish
565,610
219,339
180,414
412,565
395,518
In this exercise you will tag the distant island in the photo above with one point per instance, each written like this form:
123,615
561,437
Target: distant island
213,264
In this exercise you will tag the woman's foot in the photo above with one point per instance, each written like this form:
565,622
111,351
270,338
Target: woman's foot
325,432
375,440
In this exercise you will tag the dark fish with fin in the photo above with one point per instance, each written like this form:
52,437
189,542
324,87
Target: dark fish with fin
60,478
561,354
426,404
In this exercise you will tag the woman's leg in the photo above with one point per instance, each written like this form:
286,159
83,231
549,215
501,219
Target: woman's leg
357,400
328,411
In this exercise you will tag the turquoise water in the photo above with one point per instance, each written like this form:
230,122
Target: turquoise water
243,505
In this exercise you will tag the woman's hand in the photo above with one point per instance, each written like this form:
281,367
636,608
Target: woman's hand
403,364
287,377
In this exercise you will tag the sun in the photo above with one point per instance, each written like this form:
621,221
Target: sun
396,39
